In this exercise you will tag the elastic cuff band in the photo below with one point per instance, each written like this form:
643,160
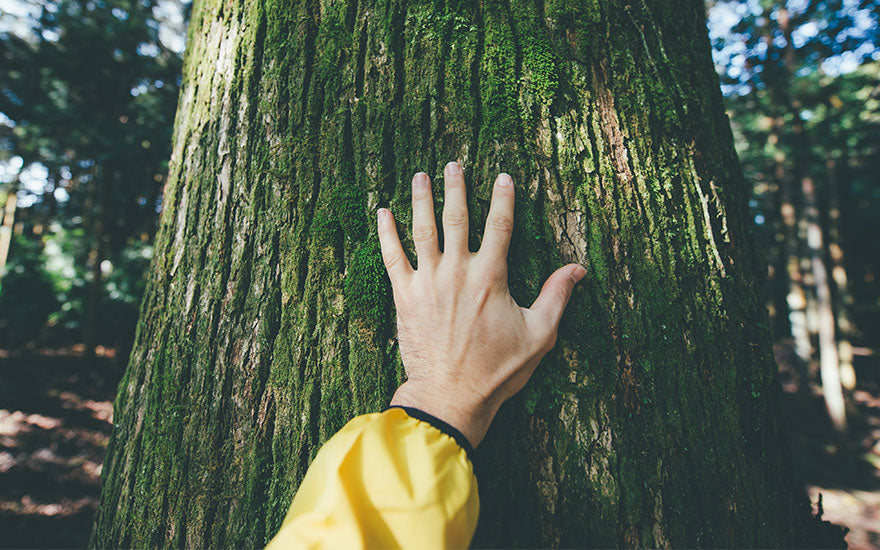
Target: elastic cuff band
440,425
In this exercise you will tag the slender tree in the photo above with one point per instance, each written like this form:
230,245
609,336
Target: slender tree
267,323
839,275
7,217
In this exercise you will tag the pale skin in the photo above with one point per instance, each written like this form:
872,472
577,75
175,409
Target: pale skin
465,343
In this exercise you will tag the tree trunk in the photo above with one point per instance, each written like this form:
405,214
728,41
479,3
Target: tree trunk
838,274
820,313
7,216
99,192
268,322
829,365
796,298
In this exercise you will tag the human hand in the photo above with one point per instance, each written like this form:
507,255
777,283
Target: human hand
465,343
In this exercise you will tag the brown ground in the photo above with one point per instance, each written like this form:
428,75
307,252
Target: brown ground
845,471
56,413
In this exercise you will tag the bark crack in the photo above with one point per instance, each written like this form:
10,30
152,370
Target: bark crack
440,89
308,66
475,88
359,71
398,49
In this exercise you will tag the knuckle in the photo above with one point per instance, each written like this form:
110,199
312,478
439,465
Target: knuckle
423,233
495,271
501,223
391,259
455,219
451,271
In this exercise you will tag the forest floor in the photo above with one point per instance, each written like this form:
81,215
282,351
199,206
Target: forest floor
843,470
56,414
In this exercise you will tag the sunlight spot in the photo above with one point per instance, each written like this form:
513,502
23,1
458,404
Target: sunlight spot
27,506
6,462
90,467
16,422
101,410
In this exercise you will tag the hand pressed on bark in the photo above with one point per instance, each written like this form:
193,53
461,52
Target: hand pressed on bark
465,343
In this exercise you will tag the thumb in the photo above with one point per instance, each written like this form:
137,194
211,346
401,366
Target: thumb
556,292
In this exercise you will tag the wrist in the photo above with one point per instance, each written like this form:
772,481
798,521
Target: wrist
471,417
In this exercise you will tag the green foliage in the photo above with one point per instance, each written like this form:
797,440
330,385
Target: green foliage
44,286
89,91
27,294
800,86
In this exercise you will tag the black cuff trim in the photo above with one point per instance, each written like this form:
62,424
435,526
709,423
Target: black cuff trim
440,425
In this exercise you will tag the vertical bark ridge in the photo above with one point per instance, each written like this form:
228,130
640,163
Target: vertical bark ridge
394,28
473,146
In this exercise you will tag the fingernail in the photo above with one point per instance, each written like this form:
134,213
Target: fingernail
453,168
504,180
383,214
420,179
578,273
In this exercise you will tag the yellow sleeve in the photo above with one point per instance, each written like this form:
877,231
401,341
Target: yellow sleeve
385,480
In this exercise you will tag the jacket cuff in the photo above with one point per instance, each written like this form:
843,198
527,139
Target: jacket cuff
444,427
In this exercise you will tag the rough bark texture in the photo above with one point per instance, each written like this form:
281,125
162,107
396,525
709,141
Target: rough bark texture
268,322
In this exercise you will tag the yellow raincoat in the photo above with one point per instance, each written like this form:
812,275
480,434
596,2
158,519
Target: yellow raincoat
396,479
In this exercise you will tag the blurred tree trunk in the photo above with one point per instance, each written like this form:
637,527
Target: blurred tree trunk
268,323
829,365
799,301
8,220
820,314
796,298
99,197
839,186
49,196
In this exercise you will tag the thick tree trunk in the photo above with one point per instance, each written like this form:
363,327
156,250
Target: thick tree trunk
268,322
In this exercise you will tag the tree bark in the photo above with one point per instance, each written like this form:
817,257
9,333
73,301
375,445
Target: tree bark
268,323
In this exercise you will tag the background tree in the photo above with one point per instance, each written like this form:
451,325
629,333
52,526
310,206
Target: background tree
785,65
267,321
